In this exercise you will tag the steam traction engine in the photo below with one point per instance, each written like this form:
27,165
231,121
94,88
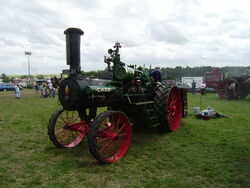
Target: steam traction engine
129,94
221,83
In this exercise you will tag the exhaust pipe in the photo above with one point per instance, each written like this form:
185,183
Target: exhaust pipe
73,42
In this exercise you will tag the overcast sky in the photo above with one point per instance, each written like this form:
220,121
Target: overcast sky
165,33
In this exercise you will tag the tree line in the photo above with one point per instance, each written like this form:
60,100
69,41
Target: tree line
176,73
167,73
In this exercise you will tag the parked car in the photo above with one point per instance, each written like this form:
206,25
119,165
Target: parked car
6,87
186,86
183,85
23,84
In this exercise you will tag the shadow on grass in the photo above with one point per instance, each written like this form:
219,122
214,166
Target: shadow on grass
79,155
142,137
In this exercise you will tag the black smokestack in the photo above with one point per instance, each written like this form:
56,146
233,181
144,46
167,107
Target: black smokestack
73,41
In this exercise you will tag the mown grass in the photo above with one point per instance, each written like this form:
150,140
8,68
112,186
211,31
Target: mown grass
214,153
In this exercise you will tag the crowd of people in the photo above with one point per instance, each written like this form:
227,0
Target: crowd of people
47,88
43,88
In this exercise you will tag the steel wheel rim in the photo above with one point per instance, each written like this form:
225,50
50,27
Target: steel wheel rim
66,137
174,109
113,137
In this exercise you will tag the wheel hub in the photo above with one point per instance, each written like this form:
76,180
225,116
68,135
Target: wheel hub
114,136
172,109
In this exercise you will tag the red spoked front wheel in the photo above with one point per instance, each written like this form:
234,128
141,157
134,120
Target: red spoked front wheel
66,129
109,137
174,109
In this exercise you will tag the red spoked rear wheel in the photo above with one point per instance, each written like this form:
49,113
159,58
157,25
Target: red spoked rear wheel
109,137
174,109
66,129
168,106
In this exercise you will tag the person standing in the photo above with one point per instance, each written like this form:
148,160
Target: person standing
203,89
50,89
41,88
156,74
231,91
55,82
36,88
193,87
53,92
45,90
17,91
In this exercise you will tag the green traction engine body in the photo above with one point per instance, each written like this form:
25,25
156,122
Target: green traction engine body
130,94
129,89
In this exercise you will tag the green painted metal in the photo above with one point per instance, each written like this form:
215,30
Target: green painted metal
124,73
145,74
134,94
152,118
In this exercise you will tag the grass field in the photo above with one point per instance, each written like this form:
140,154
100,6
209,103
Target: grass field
214,153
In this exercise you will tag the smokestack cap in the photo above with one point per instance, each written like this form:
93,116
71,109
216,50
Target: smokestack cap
73,30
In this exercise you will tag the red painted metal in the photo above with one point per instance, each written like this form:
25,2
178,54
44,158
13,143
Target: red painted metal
69,131
222,88
174,109
113,138
217,80
213,78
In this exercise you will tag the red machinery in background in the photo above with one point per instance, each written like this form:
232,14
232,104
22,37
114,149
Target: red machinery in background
222,83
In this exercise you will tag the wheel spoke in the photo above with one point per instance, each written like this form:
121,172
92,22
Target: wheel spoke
75,120
74,136
71,135
71,118
113,148
108,150
103,133
61,117
60,133
171,110
59,126
117,124
109,136
67,135
105,146
104,139
59,129
67,115
63,137
120,128
174,101
113,122
120,135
